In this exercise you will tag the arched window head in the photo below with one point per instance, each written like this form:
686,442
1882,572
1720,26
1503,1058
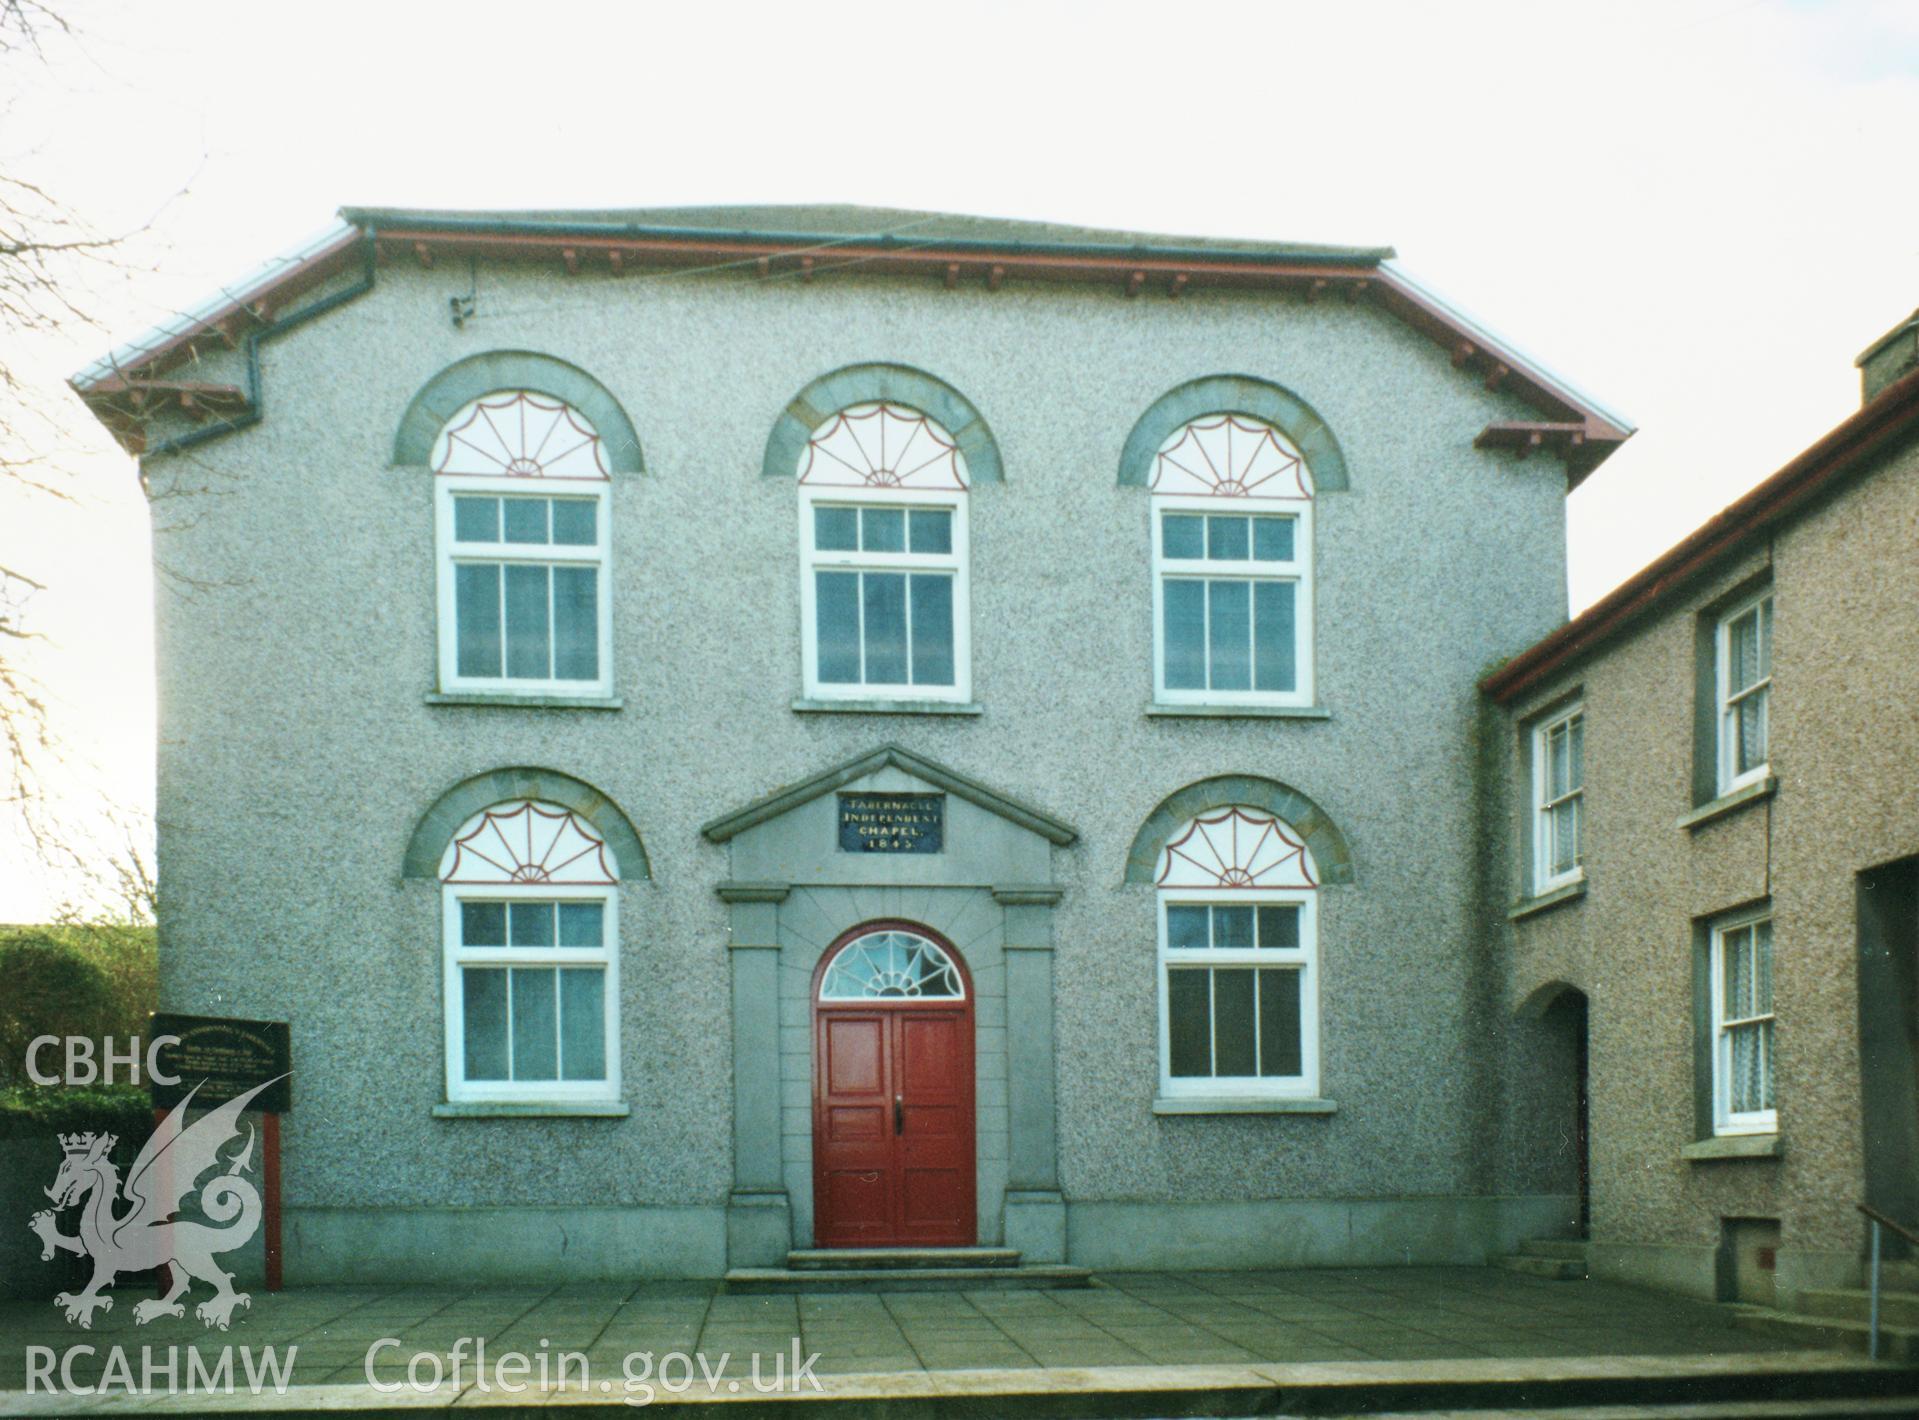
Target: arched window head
1238,924
1236,848
1232,567
530,927
1230,456
883,446
528,842
521,524
883,566
892,964
518,434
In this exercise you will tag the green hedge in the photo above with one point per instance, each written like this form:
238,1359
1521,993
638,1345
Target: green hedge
42,1111
94,980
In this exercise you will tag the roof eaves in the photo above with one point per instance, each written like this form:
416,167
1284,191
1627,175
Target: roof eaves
201,318
1602,420
533,224
1883,341
1840,451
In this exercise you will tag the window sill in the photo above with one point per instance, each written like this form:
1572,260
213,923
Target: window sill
1552,897
526,702
1238,1104
1734,1146
531,1109
1160,710
1728,803
886,707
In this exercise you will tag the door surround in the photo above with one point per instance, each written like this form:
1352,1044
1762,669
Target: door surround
791,888
895,1124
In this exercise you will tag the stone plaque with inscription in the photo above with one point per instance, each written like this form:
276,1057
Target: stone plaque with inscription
892,823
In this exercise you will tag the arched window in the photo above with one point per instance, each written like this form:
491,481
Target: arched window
892,964
883,543
531,920
1232,566
520,492
1238,959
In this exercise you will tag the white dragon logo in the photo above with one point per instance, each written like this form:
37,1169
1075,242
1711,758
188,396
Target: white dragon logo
148,1234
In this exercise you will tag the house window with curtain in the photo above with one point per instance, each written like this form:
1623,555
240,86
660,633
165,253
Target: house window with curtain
1743,647
1232,566
530,924
1559,799
884,564
1238,959
1742,1026
521,513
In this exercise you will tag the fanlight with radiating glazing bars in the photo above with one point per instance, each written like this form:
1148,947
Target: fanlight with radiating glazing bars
518,434
1236,848
891,965
1230,456
528,843
882,446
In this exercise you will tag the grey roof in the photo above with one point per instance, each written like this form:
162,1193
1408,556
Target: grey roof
823,225
840,222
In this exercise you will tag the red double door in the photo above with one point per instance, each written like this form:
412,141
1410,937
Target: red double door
893,1125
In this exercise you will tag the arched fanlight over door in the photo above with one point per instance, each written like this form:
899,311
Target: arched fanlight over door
891,964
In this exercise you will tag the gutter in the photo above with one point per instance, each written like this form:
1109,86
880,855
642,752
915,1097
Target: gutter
197,320
1861,436
367,218
255,398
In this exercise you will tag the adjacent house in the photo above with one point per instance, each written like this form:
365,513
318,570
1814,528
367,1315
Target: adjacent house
1711,850
727,732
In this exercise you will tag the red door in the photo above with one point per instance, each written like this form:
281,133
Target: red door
893,1124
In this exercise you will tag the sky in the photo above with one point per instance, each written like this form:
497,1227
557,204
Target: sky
1699,211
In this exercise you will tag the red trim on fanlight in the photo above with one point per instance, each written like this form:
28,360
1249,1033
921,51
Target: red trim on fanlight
490,818
1290,463
1268,823
487,405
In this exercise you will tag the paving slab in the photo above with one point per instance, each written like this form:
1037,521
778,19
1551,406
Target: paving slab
1215,1339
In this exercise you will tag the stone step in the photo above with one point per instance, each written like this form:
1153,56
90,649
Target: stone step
841,1258
1033,1276
1573,1249
1899,1276
1553,1269
1896,1343
1856,1408
1855,1304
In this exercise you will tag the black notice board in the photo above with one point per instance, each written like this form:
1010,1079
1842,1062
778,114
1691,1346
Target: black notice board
892,823
225,1058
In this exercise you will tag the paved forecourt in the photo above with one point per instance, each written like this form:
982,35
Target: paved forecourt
1193,1333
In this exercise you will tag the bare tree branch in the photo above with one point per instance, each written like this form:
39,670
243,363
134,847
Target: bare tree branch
23,21
53,261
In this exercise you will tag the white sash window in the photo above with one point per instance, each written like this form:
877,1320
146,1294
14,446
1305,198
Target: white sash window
1238,960
521,514
1232,567
884,591
530,902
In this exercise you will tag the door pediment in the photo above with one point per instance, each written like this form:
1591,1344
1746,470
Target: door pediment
984,837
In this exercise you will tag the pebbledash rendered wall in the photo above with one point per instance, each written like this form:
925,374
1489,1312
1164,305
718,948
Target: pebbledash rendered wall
1842,744
298,753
